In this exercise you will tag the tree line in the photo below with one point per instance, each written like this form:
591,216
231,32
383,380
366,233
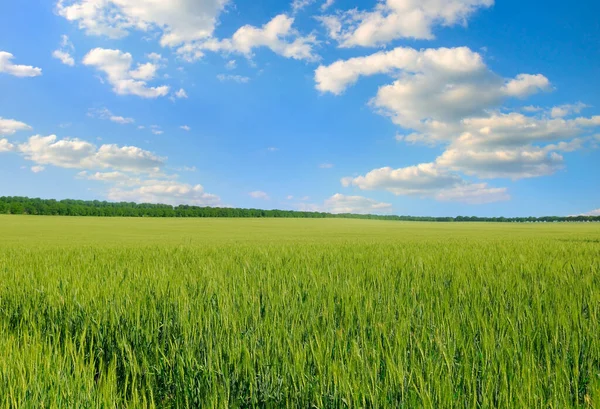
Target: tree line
69,207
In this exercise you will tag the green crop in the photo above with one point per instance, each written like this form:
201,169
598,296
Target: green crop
296,313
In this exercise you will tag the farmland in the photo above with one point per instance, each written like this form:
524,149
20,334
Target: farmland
297,313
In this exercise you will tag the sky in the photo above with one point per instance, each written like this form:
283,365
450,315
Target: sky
408,107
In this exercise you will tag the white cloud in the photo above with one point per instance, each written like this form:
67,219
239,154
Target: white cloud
116,177
104,113
289,197
231,65
185,128
165,189
179,21
7,67
66,43
155,129
340,203
449,97
526,84
144,72
64,57
326,165
474,193
64,52
567,109
133,174
156,57
259,195
166,192
11,126
514,129
419,180
125,80
6,146
277,35
187,169
592,213
393,19
327,4
531,109
427,180
298,5
121,120
235,78
181,94
432,85
79,154
517,163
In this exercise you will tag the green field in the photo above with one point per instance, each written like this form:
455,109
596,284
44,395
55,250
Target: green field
297,313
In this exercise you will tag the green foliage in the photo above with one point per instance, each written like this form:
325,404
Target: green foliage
113,313
68,207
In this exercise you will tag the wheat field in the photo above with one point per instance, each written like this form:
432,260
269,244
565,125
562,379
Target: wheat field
297,313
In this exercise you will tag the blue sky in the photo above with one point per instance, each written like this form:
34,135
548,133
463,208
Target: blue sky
456,107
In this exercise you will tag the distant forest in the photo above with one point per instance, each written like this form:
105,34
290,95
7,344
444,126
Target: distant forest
68,207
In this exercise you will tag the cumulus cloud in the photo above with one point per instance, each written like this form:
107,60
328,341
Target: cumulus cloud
473,193
11,126
516,163
327,4
156,57
567,110
592,213
181,94
340,203
427,180
117,66
122,120
104,113
444,84
132,173
64,52
420,180
166,192
235,78
64,57
185,128
6,146
257,194
230,65
515,129
155,129
298,5
393,19
278,35
8,67
178,21
79,154
449,96
526,84
532,108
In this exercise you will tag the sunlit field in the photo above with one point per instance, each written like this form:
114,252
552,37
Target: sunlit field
297,313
